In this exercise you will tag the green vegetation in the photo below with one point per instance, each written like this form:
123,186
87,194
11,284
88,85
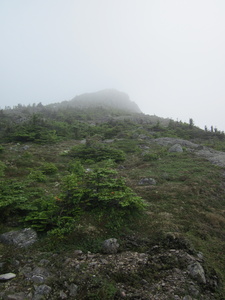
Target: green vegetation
74,177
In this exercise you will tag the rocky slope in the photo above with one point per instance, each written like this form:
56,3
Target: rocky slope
173,270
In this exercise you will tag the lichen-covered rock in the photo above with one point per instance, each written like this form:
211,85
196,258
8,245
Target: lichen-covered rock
176,148
20,238
110,246
197,272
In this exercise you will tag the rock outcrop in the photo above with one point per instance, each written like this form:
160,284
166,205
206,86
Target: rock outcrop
214,156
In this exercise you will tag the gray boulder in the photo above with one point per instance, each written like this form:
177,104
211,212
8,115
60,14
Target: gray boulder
176,148
20,238
7,276
147,181
110,246
197,272
39,275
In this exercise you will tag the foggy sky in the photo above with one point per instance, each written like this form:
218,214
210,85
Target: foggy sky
167,55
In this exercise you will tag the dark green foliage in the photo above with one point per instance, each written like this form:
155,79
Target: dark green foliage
97,152
49,168
100,189
44,214
127,145
101,192
2,168
14,200
100,288
37,175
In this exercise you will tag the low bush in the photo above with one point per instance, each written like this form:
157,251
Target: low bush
49,168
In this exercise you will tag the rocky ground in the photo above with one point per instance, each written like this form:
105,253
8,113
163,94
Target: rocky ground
170,271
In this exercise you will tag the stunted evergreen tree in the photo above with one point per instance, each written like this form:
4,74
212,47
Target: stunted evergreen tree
191,123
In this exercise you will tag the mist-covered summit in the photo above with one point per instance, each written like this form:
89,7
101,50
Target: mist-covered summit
108,98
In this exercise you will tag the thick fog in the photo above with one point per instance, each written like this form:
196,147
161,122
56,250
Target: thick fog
168,55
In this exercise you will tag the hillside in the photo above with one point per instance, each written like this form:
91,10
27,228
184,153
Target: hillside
80,176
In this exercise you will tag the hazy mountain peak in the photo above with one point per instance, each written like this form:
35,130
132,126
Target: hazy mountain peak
109,98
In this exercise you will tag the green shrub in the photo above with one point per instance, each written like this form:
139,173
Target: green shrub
2,168
37,175
98,152
44,216
49,168
150,156
14,199
102,192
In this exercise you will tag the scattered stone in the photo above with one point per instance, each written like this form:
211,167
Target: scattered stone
41,291
143,136
176,148
7,276
17,296
197,272
193,290
110,246
72,279
187,297
44,262
78,252
147,181
26,147
73,290
62,295
39,275
20,238
200,255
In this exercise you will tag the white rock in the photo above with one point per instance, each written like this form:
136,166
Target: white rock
7,276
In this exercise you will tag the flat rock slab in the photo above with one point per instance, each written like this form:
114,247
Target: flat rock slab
7,276
20,238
